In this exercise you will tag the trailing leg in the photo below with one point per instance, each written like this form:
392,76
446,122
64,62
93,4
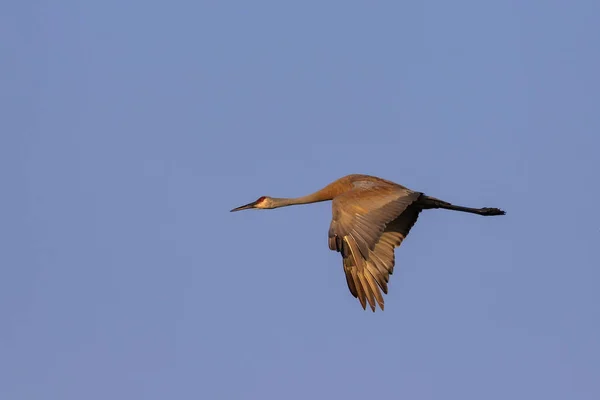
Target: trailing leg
427,202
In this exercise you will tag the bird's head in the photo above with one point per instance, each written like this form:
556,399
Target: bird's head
264,202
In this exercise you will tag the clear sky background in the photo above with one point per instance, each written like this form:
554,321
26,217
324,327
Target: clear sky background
130,129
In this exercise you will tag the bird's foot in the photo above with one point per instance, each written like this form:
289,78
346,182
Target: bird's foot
492,211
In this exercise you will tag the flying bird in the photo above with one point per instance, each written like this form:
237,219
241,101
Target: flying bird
371,217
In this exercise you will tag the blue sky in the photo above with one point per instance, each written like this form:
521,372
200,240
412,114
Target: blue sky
130,129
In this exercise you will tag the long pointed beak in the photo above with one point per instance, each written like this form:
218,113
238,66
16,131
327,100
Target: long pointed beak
244,207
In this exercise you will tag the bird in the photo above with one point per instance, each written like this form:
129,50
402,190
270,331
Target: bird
371,217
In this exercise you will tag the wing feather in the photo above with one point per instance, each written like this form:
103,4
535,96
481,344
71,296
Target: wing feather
369,294
360,293
379,274
368,276
364,215
374,288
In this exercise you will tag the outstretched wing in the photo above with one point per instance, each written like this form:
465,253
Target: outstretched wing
366,228
367,278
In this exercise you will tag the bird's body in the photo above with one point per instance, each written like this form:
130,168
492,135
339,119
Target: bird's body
370,218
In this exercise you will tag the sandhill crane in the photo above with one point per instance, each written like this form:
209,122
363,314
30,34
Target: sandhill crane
371,217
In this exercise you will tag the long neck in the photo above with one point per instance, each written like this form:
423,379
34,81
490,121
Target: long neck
321,195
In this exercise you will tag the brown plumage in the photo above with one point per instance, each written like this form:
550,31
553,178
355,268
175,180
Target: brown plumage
371,217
